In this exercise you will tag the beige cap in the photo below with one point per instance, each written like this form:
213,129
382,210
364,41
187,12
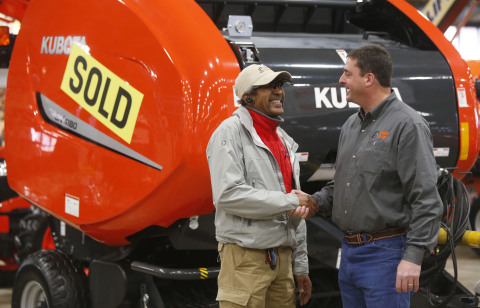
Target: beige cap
256,75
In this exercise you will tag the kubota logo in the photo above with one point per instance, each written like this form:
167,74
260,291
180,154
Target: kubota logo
382,135
333,97
58,45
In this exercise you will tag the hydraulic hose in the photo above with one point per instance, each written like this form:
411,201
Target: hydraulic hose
454,223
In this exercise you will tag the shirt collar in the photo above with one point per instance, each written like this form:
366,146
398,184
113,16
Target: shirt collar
378,110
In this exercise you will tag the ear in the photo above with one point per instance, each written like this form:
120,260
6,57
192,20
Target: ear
248,99
369,79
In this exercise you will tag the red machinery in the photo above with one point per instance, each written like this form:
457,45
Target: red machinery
108,118
118,175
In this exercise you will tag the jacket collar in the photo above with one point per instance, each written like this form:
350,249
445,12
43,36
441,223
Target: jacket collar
278,119
263,123
247,122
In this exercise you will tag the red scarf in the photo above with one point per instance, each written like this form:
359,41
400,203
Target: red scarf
267,130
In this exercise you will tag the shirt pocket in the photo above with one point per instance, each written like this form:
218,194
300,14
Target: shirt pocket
378,146
373,155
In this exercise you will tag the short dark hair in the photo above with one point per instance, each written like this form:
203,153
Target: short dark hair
376,60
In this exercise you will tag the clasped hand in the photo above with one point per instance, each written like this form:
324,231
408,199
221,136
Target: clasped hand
307,207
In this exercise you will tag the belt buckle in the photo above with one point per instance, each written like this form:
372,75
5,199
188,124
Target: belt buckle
355,238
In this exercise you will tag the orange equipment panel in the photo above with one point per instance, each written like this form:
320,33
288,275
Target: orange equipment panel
109,117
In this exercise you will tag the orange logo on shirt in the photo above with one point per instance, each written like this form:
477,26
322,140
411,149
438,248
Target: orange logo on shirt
383,135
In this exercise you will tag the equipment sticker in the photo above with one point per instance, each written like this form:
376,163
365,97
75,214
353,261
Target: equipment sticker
72,205
342,54
302,156
107,97
462,97
441,152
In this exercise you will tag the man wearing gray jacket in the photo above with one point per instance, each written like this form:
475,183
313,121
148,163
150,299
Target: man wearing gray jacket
259,225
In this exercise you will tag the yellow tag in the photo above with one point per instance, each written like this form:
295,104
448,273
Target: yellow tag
107,97
464,142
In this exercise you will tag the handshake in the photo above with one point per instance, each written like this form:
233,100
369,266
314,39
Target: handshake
307,207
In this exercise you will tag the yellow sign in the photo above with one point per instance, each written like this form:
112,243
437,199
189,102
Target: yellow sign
107,97
435,10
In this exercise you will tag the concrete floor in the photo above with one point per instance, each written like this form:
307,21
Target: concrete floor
5,295
468,263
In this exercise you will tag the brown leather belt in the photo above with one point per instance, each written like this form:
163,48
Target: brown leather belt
362,238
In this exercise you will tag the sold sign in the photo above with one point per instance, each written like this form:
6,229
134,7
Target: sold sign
107,97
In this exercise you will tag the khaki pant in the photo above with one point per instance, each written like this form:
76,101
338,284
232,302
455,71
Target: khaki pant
245,280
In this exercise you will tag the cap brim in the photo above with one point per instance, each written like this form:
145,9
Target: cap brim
271,77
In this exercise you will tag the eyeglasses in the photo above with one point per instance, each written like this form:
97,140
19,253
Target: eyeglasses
276,84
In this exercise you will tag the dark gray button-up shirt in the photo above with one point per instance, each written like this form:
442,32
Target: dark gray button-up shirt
386,177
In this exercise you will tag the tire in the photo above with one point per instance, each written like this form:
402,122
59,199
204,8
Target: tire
50,279
475,219
31,233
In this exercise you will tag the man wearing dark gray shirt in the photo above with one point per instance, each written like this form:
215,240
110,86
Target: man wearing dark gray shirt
384,194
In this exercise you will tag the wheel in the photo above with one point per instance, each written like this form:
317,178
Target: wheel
475,219
50,279
32,230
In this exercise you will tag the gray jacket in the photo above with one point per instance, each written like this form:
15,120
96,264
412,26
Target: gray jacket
248,190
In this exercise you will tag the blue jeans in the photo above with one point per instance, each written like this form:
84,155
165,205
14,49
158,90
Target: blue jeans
368,274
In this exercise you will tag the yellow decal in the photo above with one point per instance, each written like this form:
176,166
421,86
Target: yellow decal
107,97
203,273
464,141
435,10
